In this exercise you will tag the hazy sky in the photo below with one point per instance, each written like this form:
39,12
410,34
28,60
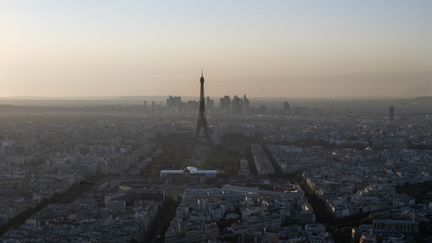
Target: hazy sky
302,48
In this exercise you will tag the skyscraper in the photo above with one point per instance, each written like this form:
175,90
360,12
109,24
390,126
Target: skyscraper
174,102
286,106
246,103
210,103
237,105
391,113
225,103
202,126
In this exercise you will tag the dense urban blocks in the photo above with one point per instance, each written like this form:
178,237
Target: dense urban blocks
335,171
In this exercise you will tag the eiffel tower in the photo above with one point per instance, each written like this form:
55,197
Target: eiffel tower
202,130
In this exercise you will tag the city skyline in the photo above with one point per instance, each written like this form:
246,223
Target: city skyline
272,49
216,121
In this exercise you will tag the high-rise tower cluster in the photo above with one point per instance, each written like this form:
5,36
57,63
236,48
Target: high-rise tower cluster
234,105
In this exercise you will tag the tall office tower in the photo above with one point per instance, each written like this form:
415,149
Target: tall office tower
174,102
237,104
225,103
286,106
202,127
209,103
246,103
391,113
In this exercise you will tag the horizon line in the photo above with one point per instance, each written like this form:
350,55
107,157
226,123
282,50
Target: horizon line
105,97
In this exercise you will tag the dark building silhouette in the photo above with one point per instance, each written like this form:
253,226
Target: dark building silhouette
246,103
286,106
202,129
209,103
237,105
225,103
391,113
174,103
193,105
